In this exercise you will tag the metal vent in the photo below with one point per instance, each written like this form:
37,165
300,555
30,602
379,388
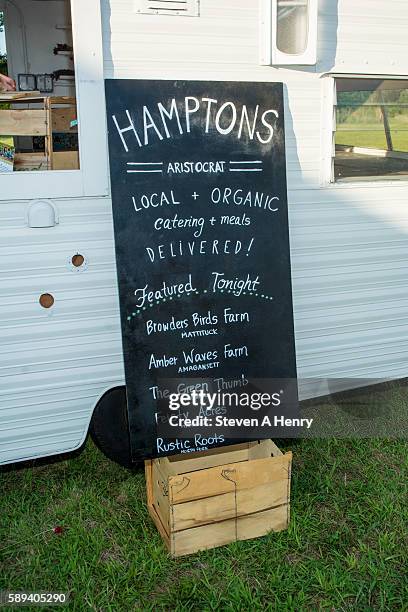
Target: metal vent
179,8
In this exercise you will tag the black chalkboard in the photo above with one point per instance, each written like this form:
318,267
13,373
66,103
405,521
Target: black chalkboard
198,180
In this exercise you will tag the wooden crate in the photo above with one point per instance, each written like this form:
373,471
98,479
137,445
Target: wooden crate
210,499
56,115
61,160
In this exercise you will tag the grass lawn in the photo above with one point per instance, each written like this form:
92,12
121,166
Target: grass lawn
372,135
346,548
353,137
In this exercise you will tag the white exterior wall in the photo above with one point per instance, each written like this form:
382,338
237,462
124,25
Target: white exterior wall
56,363
349,242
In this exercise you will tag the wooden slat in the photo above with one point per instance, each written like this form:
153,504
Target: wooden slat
30,161
160,498
149,481
261,523
265,448
226,506
61,119
220,479
11,96
178,464
23,122
156,519
62,100
207,459
65,160
48,138
34,97
218,534
194,464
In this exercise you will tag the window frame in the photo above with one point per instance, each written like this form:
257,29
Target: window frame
269,52
327,178
91,179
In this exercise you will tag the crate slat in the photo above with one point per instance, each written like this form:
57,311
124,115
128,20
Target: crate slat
15,96
62,100
30,161
229,505
267,448
23,122
65,160
160,495
218,534
178,464
218,480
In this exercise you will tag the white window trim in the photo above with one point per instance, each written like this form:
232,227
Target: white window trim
269,52
326,177
92,177
328,122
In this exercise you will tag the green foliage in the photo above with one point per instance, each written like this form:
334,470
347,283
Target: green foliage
352,106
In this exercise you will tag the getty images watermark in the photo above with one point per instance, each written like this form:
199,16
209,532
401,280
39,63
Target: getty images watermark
249,409
212,409
259,409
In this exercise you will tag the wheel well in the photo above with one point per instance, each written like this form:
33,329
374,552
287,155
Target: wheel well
109,427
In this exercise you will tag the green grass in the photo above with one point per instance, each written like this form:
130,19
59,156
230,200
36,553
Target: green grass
372,135
372,140
346,547
356,138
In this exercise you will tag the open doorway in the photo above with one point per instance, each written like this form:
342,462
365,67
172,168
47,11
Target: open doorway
3,49
38,111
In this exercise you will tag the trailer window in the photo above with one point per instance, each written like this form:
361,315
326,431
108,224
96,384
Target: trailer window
371,129
288,32
38,110
292,26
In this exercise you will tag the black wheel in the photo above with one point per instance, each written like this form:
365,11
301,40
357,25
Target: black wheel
109,427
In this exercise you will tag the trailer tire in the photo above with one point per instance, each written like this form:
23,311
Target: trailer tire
109,427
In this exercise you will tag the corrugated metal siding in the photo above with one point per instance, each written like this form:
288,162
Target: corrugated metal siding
349,245
56,363
363,36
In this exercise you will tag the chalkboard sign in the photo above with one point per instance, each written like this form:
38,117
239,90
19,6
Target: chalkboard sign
198,180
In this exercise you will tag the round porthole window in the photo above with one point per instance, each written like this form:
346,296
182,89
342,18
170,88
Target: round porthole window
46,300
77,262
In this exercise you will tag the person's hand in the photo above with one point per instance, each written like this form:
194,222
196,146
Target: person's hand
7,83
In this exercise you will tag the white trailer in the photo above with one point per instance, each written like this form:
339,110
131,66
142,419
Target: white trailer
62,365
